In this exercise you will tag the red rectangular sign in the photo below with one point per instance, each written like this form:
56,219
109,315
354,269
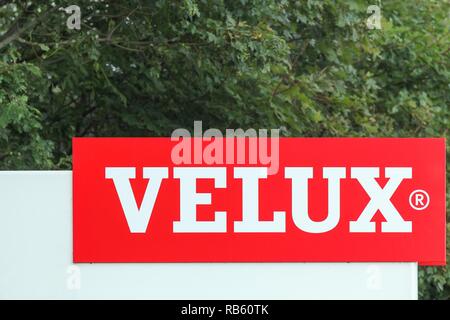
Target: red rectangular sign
286,200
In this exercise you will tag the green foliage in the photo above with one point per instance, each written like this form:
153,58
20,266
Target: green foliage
21,143
144,68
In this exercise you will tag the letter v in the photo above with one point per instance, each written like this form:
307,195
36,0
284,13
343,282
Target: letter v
137,218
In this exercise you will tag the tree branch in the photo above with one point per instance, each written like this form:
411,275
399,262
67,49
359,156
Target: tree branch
17,29
5,2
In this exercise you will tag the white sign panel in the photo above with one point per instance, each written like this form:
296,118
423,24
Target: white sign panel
36,261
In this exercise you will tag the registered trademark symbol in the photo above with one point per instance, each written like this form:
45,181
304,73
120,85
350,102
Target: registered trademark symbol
419,199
